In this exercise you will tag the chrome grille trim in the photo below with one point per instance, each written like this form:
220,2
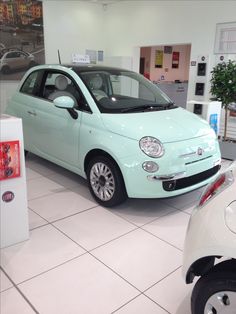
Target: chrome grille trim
192,162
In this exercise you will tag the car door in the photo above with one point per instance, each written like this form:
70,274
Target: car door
23,60
12,60
56,132
23,105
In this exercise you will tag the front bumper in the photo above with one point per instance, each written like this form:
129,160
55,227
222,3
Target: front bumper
177,173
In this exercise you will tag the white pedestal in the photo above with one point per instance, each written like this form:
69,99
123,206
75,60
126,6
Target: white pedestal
13,211
207,110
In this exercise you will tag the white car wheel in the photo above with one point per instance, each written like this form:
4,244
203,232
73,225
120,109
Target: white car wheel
215,293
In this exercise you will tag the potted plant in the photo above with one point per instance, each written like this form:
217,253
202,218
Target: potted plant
223,88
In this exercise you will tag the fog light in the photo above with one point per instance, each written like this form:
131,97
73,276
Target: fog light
150,166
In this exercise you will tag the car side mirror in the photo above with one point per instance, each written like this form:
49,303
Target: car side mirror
64,102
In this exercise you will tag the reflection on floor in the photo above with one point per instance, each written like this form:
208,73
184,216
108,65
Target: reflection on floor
82,258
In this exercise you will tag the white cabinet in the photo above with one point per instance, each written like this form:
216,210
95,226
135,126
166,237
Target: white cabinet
13,211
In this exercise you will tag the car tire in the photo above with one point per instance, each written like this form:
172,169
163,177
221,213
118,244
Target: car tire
26,153
215,292
105,181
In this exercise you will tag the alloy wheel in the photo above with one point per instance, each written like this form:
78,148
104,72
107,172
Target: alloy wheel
102,181
223,302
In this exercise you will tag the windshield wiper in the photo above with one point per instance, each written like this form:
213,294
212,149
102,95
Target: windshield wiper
148,107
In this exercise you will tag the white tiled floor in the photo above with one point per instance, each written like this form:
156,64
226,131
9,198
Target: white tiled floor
84,259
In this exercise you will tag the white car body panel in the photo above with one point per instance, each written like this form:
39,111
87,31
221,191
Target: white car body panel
212,228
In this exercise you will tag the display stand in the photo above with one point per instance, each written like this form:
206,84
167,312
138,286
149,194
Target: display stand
13,211
207,110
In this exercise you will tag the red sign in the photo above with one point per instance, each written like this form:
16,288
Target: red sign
175,59
9,160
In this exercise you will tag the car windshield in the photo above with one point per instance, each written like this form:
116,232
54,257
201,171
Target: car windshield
118,91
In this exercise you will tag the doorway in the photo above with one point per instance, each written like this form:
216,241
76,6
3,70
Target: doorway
168,67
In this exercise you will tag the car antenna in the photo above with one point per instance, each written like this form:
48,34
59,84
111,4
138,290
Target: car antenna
59,57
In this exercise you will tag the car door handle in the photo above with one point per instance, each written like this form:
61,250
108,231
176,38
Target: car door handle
32,113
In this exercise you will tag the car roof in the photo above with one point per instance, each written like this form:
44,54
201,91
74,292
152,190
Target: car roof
79,68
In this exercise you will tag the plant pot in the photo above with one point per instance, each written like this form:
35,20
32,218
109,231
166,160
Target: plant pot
228,150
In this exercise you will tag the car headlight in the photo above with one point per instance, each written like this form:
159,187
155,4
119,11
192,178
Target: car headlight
151,146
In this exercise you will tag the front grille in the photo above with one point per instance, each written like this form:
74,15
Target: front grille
173,185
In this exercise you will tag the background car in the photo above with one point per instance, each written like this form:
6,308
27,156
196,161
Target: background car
210,248
15,59
2,46
115,128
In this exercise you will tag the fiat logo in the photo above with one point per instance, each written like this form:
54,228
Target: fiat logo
8,196
200,151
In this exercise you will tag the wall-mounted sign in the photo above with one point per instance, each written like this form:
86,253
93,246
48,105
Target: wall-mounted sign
199,89
92,55
9,160
168,49
77,58
193,63
175,59
100,55
159,59
201,69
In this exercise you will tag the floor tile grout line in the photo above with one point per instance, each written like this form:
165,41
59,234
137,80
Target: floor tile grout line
156,303
17,286
36,198
122,306
190,204
100,261
50,269
20,292
132,299
162,216
181,250
126,219
59,219
89,252
116,238
37,227
166,276
80,212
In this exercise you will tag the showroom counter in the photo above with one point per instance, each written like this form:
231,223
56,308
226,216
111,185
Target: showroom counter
176,91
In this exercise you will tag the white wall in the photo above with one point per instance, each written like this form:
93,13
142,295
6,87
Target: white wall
72,26
149,23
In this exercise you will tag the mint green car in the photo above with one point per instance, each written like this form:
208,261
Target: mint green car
115,128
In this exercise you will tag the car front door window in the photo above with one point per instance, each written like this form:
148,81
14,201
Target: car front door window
57,84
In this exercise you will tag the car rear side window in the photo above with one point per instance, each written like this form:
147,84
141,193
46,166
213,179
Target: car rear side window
31,84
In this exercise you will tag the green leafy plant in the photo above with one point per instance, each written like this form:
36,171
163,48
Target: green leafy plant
223,86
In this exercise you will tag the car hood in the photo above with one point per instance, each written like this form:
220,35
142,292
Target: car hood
166,125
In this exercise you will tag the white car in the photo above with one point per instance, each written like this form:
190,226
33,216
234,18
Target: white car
210,247
14,60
